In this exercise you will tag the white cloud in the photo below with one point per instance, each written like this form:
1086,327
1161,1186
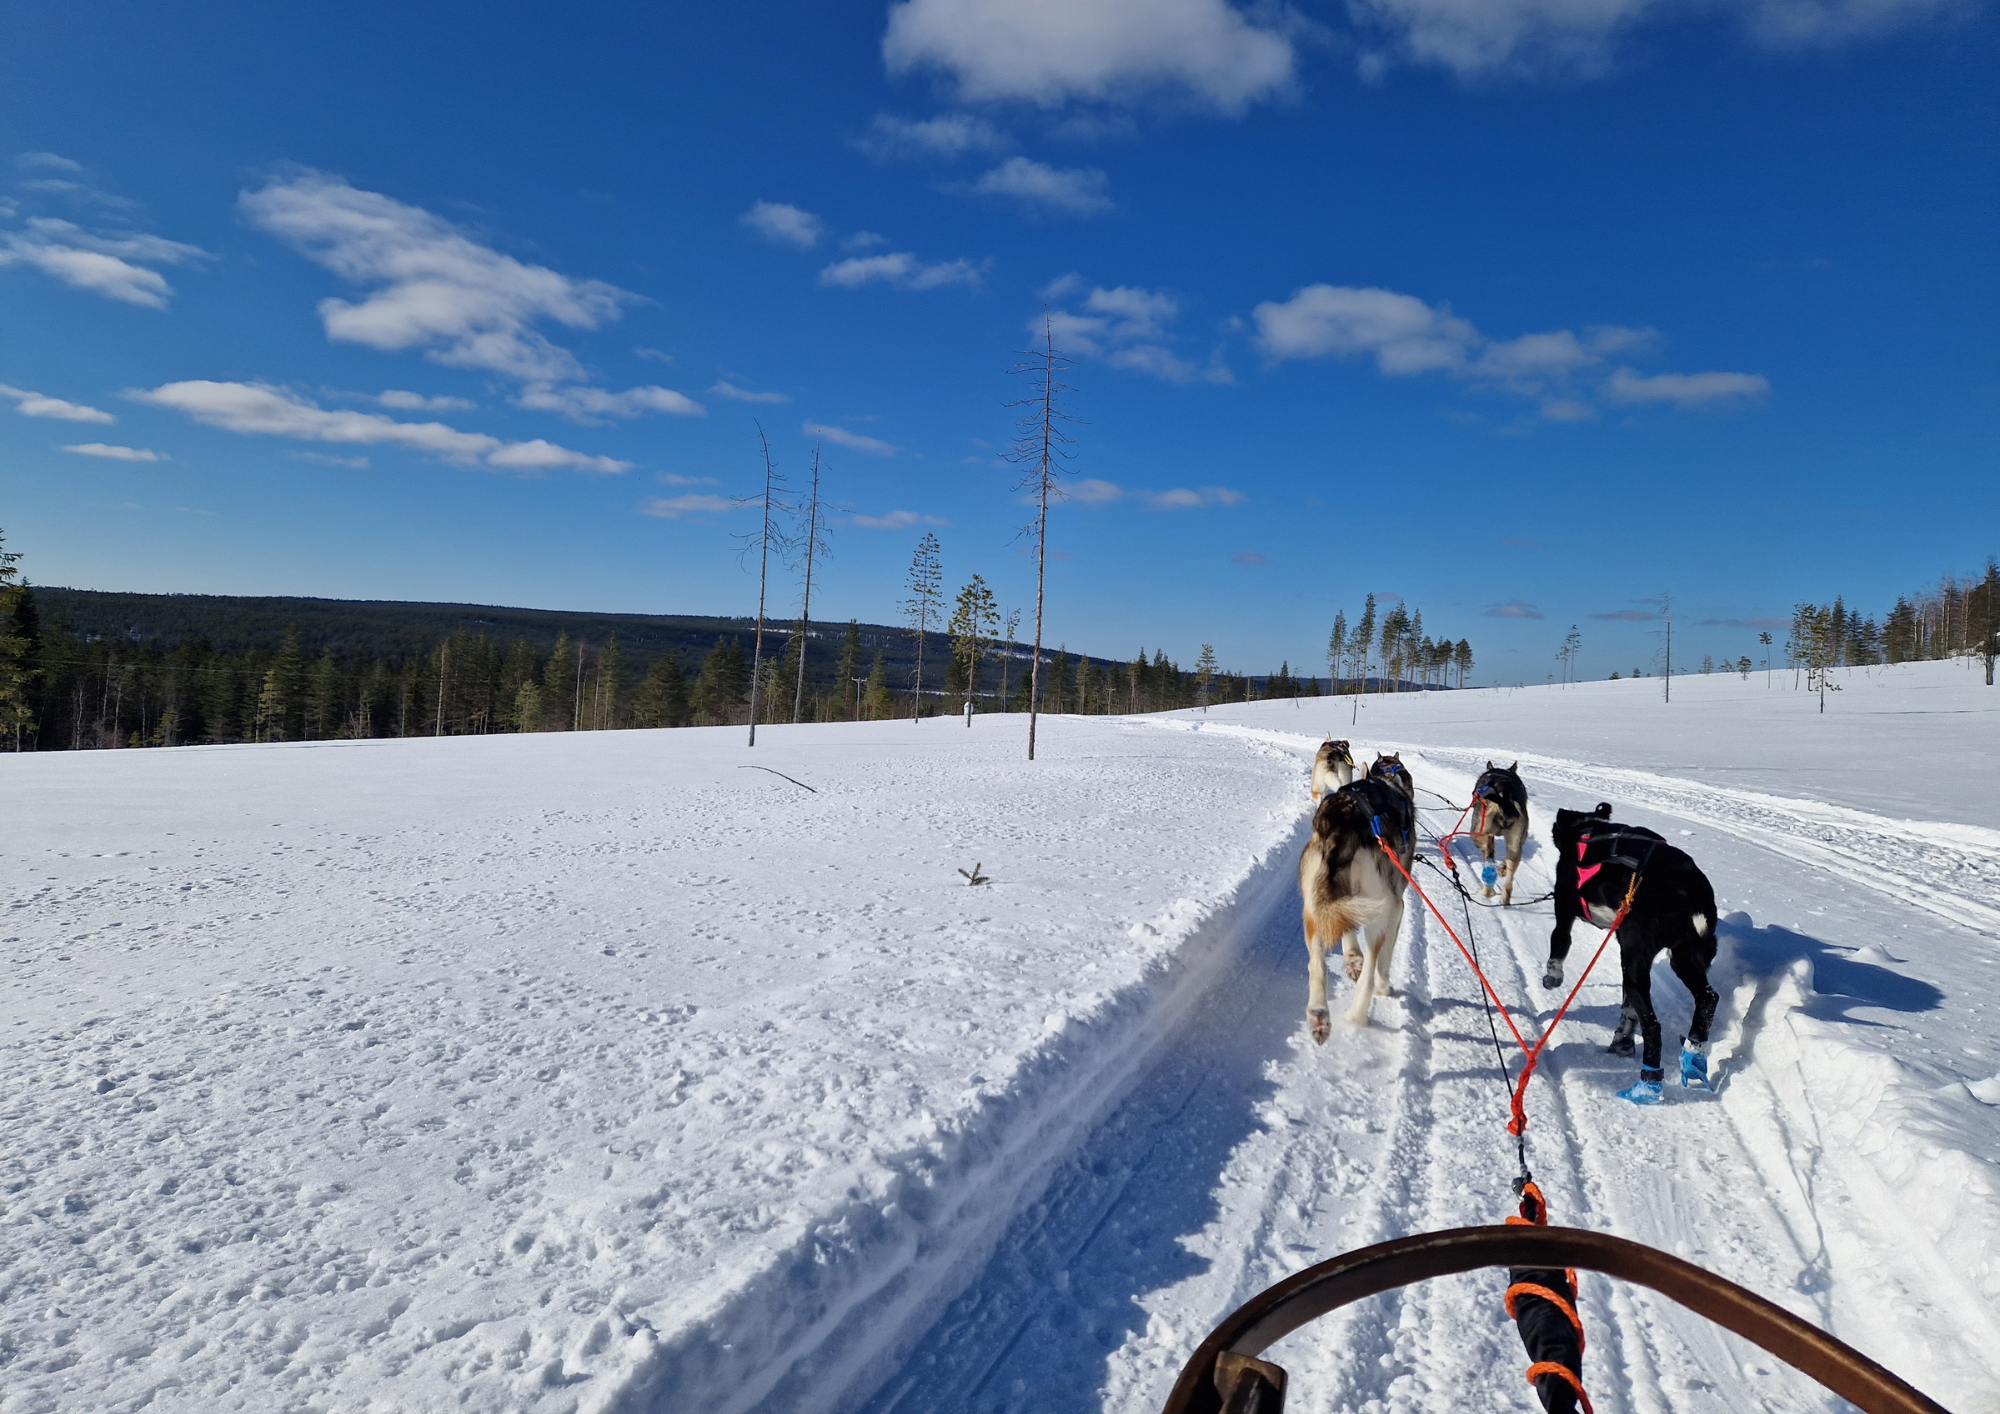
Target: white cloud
863,240
853,441
900,269
1405,336
1050,52
656,355
947,136
115,453
1685,389
417,402
1580,38
1070,191
668,478
41,405
895,520
115,266
1401,332
49,161
433,287
725,389
674,507
322,459
592,405
1125,326
1094,492
784,225
260,409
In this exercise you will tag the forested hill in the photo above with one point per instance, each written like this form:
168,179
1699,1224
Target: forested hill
380,628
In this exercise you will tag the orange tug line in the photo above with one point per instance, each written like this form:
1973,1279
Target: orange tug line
1532,1201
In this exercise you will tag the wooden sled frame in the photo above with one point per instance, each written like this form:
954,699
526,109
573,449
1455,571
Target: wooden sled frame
1224,1376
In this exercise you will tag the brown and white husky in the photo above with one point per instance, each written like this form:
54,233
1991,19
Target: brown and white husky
1350,894
1333,767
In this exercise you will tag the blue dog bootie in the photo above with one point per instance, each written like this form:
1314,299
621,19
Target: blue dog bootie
1490,874
1694,1067
1644,1092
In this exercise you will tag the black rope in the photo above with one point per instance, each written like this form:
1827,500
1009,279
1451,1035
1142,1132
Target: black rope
1486,1005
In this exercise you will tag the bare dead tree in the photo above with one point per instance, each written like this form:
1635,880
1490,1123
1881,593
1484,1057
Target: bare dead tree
762,541
1041,449
811,543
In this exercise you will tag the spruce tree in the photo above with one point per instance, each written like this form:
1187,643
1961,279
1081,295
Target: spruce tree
971,628
846,672
283,689
878,705
557,676
925,604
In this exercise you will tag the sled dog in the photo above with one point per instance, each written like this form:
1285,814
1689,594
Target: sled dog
1674,909
1350,895
1333,767
1500,807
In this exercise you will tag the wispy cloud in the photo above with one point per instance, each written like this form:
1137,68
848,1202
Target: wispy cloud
1514,609
418,402
1103,52
115,453
946,137
1559,370
722,388
783,224
1125,326
694,503
263,410
1571,39
1685,390
670,478
1094,491
1763,623
1630,616
1059,191
41,405
117,265
853,441
1249,557
322,459
47,161
900,270
433,288
591,406
895,520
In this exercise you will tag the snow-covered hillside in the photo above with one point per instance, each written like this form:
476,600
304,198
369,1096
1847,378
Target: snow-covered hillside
596,1072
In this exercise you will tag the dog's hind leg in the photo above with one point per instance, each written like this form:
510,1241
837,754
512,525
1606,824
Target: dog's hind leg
1516,837
1385,950
1692,969
1316,1012
1364,985
1637,954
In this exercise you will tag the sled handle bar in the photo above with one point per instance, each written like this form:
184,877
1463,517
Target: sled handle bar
1225,1377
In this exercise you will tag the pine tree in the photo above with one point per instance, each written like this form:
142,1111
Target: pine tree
1462,658
878,707
1336,647
555,686
1364,640
846,687
971,628
17,646
283,689
1041,449
608,696
925,604
1204,666
661,699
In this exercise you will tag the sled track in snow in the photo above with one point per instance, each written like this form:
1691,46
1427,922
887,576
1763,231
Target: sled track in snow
1244,1153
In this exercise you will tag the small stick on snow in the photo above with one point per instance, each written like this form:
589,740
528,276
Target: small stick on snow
800,784
975,877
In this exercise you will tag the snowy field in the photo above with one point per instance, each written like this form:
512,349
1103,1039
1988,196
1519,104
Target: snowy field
596,1072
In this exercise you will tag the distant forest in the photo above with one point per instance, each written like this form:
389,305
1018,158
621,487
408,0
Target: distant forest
82,669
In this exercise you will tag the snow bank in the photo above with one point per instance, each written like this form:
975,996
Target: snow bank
562,1072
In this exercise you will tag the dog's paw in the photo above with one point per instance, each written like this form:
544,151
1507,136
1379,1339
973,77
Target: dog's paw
1383,989
1620,1046
1353,968
1322,1025
1552,975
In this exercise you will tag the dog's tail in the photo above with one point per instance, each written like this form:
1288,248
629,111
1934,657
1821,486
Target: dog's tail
1336,918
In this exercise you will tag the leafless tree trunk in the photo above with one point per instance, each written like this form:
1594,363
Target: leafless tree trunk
814,544
1041,449
771,505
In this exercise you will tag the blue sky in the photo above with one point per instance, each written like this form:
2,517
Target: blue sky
1523,310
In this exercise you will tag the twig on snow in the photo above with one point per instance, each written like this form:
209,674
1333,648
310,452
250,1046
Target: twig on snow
800,784
975,877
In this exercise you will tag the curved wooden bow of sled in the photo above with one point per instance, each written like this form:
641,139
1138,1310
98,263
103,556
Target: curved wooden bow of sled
1224,1373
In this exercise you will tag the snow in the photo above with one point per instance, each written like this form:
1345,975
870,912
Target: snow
593,1072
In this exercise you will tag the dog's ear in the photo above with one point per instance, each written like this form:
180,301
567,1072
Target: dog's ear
1516,764
1489,763
1603,810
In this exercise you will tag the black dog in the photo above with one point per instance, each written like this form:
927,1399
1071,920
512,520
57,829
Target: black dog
1500,807
1674,909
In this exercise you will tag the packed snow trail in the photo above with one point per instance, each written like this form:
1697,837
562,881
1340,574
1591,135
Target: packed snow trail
1100,1294
589,1072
